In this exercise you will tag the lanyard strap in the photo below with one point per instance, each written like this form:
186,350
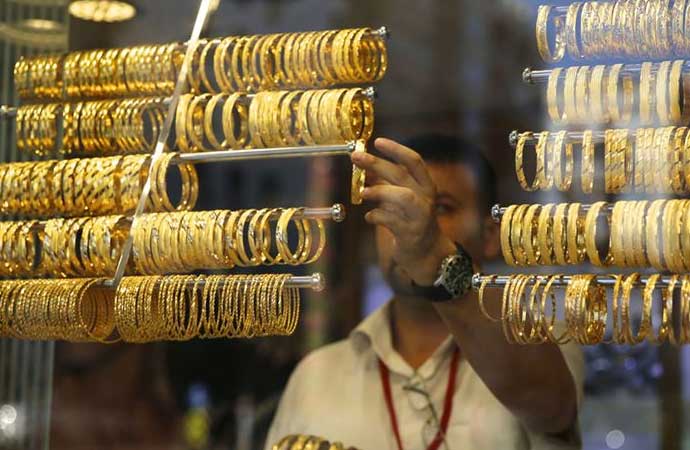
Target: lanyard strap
447,402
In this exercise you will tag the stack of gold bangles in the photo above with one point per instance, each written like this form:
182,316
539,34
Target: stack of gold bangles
177,242
146,309
622,234
530,315
646,160
306,442
184,241
106,127
91,186
202,122
273,119
183,307
623,29
608,95
77,309
239,64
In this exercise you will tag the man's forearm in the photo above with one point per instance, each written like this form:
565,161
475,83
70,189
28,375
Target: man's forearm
532,381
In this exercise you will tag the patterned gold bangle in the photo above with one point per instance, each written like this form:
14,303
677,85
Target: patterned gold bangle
542,33
506,248
529,235
559,234
652,236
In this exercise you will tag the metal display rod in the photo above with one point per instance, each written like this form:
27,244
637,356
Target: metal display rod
336,213
573,136
266,153
531,76
496,281
497,211
7,112
315,282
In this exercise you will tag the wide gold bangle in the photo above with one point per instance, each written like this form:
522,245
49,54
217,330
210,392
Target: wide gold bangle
529,235
505,233
542,33
679,114
559,234
519,163
662,91
516,235
587,164
590,231
647,93
570,97
571,34
652,236
553,99
563,176
574,230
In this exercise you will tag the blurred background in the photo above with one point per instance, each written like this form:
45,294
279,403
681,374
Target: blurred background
455,67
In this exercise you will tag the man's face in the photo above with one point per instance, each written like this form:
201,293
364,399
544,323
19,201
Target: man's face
459,216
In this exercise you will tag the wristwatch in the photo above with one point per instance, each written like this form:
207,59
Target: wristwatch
454,278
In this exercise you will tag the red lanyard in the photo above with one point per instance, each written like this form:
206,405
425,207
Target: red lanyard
447,402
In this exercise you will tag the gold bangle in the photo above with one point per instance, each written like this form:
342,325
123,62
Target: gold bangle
506,248
582,94
652,234
591,236
647,93
516,235
587,165
529,232
679,114
563,177
576,251
559,234
553,99
571,34
570,97
519,160
542,32
597,100
662,91
358,177
545,234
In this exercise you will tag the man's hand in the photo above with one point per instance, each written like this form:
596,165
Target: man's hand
405,197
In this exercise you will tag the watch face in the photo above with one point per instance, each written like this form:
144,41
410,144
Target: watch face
457,274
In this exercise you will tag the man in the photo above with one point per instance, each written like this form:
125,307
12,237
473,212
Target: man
428,370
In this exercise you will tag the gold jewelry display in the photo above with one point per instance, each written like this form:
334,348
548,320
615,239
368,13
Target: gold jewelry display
235,103
622,29
587,301
326,58
646,160
115,184
640,233
581,96
183,307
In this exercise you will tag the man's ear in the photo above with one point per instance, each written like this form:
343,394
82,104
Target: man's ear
492,243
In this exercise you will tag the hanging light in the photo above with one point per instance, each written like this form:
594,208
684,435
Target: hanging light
102,10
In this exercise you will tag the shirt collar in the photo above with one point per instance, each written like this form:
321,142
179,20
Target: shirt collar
374,334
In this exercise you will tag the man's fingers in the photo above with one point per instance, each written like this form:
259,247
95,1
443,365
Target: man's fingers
384,169
407,157
385,218
398,198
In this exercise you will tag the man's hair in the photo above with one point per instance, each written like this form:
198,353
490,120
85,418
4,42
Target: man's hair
445,149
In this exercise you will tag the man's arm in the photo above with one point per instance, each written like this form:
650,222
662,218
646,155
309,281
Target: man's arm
533,382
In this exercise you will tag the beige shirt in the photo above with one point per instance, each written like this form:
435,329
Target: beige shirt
336,393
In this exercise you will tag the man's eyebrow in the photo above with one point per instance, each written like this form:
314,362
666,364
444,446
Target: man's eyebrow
443,195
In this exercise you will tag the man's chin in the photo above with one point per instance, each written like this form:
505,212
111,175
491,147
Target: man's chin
400,282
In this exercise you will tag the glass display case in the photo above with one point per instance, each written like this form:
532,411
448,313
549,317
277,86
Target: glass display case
171,314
